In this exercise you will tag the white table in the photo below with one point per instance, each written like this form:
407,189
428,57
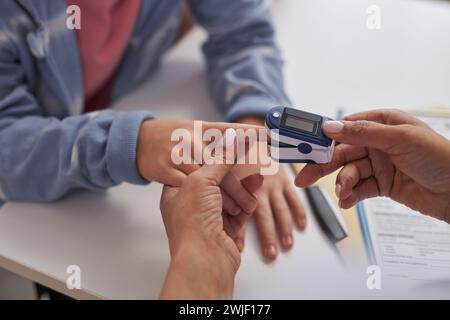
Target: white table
333,60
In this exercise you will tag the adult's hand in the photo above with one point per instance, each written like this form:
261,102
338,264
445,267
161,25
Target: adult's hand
387,153
204,257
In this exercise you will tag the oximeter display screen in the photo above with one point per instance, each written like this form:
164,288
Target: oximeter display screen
299,124
301,121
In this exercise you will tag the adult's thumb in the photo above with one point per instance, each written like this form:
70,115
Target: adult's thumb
364,133
226,157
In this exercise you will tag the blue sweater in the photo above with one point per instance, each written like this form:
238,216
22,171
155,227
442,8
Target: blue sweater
48,148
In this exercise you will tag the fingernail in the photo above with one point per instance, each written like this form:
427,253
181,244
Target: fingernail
338,190
287,241
236,210
301,222
240,245
229,137
250,207
270,252
333,126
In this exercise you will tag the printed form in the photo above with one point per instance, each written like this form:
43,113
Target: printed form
407,244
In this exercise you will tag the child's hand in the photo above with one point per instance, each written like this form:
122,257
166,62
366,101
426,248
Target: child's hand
279,209
154,160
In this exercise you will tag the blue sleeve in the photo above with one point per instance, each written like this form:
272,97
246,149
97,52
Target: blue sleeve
244,64
43,158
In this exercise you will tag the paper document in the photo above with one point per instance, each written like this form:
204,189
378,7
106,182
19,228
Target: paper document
405,243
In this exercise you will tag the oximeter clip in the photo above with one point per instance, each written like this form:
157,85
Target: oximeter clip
296,136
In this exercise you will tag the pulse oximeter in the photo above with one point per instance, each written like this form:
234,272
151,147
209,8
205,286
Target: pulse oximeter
296,136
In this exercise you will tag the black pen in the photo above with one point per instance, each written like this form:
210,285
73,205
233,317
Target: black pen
329,216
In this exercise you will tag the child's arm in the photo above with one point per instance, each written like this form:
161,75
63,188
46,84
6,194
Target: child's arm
244,63
42,158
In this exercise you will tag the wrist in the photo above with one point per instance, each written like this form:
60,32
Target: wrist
210,254
252,120
447,210
121,151
447,162
201,270
143,144
447,206
140,149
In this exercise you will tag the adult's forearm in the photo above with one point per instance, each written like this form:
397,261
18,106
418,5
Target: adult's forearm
197,272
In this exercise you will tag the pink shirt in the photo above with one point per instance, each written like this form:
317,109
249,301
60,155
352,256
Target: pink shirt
106,28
